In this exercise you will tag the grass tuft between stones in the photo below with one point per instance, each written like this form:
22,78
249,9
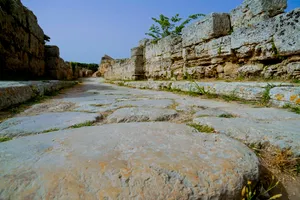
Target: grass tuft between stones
51,130
202,128
5,139
295,109
83,124
226,115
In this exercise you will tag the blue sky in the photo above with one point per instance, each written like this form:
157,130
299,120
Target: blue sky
86,30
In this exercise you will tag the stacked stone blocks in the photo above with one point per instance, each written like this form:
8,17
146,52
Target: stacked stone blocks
255,40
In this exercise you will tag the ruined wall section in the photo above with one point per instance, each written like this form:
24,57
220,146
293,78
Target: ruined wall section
21,42
255,40
56,67
23,54
163,57
125,69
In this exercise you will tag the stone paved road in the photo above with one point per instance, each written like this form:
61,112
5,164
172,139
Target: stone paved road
137,145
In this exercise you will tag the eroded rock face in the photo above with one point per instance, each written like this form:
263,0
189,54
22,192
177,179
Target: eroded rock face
126,161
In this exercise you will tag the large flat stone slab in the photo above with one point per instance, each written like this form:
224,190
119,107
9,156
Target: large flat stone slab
126,161
141,115
21,126
282,134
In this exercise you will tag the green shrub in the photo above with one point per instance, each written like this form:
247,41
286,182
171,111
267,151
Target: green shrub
166,26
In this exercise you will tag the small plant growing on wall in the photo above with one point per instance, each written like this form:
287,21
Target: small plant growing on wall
166,26
46,38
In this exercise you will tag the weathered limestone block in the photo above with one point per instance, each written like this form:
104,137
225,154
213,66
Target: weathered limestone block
220,69
56,68
215,48
144,42
122,69
36,67
51,51
252,11
160,57
12,93
250,70
196,72
287,37
51,63
167,45
211,71
276,71
21,42
211,26
15,9
231,70
293,70
262,52
248,91
281,96
137,51
269,39
259,33
154,66
33,26
105,64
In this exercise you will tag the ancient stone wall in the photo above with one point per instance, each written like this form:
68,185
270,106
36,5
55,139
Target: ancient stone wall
56,68
255,40
23,54
105,63
21,42
125,69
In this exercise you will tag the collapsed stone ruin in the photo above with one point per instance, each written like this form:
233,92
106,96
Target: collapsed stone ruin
256,40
